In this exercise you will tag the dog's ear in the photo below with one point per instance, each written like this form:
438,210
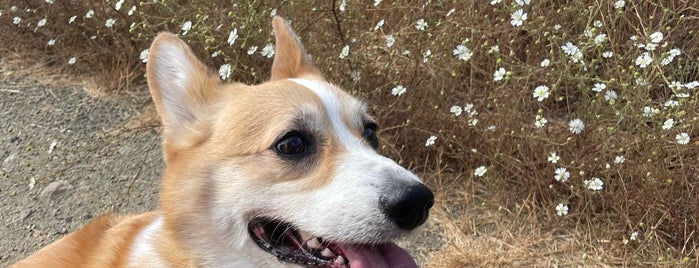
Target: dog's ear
290,58
181,85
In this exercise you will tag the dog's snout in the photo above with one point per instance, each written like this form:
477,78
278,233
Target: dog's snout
408,206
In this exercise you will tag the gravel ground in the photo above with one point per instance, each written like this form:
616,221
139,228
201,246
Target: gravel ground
66,157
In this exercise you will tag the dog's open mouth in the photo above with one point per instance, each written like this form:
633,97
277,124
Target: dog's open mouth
286,243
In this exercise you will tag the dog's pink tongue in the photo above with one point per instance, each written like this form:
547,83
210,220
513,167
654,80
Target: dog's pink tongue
383,256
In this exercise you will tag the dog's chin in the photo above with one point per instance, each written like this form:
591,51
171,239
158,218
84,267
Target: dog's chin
291,245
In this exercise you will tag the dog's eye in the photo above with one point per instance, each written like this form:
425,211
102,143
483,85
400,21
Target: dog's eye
370,135
293,143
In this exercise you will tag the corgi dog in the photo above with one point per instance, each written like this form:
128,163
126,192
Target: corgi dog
280,174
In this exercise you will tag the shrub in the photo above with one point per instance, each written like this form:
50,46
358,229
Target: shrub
586,108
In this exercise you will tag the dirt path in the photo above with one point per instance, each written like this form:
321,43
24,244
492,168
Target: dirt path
66,157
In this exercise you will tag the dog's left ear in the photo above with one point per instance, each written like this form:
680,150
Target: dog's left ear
290,58
182,88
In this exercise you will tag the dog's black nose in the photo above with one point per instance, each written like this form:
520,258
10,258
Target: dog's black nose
408,205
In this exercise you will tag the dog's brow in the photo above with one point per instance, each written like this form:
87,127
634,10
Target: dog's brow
333,109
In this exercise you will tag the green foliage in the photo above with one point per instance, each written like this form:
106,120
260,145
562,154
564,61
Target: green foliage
591,56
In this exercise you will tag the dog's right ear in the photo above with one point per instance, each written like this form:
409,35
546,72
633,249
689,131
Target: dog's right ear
182,87
290,58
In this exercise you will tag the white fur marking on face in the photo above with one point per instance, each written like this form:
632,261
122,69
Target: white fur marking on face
142,248
332,108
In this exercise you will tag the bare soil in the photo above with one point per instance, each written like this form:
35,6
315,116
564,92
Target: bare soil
67,157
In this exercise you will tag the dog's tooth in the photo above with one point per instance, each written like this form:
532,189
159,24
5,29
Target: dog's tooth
340,260
313,243
327,253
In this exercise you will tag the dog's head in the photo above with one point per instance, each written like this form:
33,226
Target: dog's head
282,171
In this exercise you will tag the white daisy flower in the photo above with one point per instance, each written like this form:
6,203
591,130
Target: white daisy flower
600,39
633,236
41,23
144,55
390,40
252,49
51,42
456,110
345,52
379,25
682,138
607,54
421,24
541,93
561,209
225,71
573,51
650,46
118,4
644,60
186,26
398,90
89,13
619,4
518,17
426,55
656,37
598,87
668,124
649,111
131,11
594,184
463,52
562,174
232,36
619,159
540,121
499,74
109,22
480,171
553,157
671,103
545,63
610,96
430,141
576,126
268,51
72,60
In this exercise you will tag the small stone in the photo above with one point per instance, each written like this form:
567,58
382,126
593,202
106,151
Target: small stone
56,187
12,138
24,214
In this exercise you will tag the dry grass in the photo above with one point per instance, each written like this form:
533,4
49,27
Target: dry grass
634,143
480,232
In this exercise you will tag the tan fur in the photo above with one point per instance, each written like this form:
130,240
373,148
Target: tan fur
102,243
